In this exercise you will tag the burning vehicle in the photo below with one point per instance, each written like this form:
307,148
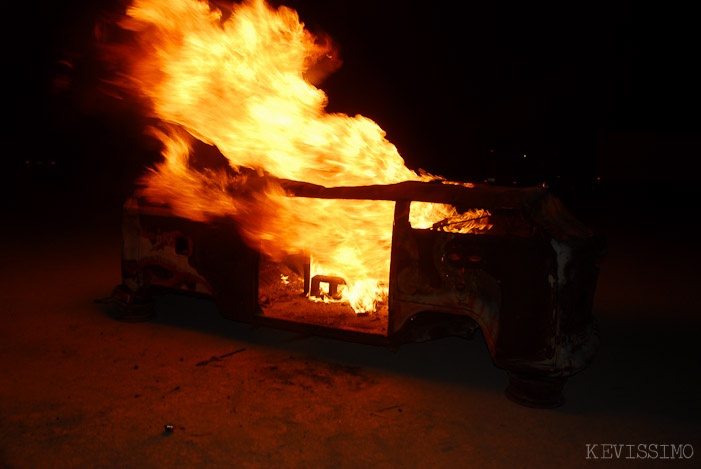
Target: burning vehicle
527,282
292,217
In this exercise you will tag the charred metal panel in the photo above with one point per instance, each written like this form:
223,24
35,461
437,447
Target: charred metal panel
160,249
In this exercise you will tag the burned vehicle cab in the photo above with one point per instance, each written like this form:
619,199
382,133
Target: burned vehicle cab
527,281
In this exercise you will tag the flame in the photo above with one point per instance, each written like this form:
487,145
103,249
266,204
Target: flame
239,81
422,215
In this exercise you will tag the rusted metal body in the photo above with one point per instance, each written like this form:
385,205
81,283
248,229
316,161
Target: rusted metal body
528,283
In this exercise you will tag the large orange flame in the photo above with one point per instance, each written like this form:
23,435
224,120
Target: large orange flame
238,83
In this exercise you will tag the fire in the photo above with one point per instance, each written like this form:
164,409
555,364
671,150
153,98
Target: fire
239,81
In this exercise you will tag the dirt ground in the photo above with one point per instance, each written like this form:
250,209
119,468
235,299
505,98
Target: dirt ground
80,389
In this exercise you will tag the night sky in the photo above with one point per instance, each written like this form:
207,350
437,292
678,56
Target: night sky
584,91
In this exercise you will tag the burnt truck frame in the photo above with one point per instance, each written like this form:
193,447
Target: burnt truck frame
528,283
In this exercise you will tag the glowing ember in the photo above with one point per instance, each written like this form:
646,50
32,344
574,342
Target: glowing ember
239,82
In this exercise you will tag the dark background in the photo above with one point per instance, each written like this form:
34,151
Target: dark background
595,95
